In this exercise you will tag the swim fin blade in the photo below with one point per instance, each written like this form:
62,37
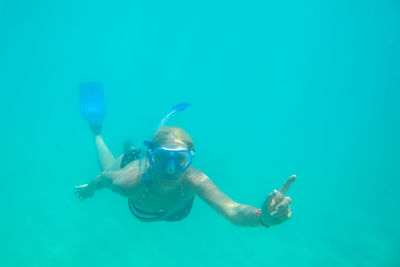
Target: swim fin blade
91,101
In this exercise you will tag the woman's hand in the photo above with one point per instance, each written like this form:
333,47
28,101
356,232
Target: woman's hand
276,208
84,191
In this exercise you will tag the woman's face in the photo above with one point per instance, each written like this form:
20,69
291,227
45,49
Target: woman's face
171,161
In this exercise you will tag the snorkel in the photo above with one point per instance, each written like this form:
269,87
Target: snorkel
175,109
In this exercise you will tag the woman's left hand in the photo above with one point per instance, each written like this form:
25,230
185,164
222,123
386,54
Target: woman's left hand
84,191
276,208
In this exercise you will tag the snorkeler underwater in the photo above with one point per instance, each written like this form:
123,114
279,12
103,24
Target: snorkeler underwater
159,181
153,133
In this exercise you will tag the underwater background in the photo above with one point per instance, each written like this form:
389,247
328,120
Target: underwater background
310,88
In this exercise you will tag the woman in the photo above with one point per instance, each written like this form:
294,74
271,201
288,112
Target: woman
162,185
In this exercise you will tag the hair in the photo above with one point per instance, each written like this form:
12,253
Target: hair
172,134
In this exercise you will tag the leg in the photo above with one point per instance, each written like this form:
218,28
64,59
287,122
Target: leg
91,101
106,159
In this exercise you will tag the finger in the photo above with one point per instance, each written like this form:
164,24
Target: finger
270,199
289,214
282,209
278,198
273,200
81,186
287,184
283,213
284,204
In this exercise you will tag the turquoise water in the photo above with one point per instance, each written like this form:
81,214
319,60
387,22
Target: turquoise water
276,88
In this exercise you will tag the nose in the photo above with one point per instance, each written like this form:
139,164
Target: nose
171,167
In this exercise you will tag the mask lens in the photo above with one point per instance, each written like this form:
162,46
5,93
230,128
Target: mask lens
160,158
181,158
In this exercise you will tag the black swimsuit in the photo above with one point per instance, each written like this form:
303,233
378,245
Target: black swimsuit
161,215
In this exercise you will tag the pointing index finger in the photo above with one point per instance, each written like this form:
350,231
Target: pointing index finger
287,184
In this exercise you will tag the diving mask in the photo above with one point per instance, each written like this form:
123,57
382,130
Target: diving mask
171,159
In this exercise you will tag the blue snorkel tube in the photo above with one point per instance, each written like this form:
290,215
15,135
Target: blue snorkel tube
174,109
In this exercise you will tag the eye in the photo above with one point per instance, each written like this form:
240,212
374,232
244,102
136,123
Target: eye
181,158
160,156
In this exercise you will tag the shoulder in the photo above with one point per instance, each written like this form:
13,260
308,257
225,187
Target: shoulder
196,178
206,189
127,181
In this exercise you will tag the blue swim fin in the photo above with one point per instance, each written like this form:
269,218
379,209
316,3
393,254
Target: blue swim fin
91,101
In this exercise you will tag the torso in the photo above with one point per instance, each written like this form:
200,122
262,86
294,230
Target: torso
148,199
167,201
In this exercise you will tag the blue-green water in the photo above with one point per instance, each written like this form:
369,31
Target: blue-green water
276,88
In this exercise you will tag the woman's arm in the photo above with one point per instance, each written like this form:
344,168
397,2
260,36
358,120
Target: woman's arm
122,181
236,213
274,211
